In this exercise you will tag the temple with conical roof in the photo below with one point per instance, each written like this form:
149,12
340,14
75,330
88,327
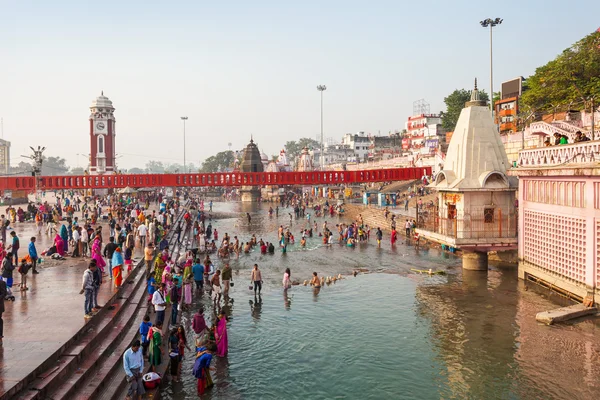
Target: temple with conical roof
476,197
251,162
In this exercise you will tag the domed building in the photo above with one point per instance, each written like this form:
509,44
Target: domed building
305,161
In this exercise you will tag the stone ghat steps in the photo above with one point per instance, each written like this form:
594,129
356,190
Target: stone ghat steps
80,360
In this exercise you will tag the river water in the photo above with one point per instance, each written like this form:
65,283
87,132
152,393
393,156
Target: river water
388,333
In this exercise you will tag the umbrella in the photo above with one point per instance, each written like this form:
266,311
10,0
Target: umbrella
145,189
127,190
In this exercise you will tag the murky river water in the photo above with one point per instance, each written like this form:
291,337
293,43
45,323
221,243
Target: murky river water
390,334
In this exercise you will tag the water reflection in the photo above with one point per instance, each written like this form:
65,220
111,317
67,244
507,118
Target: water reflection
256,307
395,335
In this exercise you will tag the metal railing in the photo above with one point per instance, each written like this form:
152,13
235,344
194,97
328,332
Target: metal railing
489,225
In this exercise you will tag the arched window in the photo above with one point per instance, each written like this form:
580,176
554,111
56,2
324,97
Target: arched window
100,144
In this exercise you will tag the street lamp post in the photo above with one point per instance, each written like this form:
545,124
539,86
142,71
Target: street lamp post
184,164
491,23
322,88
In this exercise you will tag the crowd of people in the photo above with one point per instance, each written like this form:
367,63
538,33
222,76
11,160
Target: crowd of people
560,139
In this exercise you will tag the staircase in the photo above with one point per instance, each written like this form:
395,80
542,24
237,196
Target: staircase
89,366
564,128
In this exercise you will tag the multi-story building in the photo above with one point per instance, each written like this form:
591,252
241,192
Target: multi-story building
559,217
385,147
423,127
507,108
359,143
4,156
506,115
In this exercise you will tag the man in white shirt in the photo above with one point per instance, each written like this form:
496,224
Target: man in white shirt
142,231
159,303
77,243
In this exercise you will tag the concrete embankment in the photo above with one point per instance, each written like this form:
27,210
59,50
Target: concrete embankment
564,314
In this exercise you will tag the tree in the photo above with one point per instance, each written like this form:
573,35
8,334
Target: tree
455,102
571,79
22,168
219,162
293,148
136,170
77,171
155,167
54,166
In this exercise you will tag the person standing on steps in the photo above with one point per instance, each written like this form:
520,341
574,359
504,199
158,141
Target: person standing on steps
14,247
33,254
158,300
109,251
133,364
87,287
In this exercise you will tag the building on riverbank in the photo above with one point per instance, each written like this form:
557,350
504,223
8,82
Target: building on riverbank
559,221
476,198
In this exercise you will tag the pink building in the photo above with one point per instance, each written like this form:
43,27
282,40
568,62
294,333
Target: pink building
559,217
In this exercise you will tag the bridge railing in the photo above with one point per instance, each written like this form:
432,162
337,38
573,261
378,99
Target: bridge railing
220,179
582,152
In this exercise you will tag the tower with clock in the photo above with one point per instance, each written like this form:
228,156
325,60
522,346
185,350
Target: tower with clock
102,136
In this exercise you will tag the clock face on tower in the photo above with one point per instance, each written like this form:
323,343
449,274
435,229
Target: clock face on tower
100,126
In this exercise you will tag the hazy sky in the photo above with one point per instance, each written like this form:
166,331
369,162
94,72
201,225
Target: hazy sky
237,68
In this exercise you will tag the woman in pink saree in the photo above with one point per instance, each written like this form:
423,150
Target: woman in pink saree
97,255
59,244
221,335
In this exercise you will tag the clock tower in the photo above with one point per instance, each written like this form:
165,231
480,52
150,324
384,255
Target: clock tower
102,136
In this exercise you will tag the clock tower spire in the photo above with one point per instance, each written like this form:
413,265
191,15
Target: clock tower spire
102,136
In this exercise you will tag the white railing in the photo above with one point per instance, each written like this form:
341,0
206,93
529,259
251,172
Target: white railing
584,152
567,126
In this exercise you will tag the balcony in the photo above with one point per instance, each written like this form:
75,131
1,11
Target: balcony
505,112
561,155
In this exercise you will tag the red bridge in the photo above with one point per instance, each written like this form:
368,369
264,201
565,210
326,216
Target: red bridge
227,179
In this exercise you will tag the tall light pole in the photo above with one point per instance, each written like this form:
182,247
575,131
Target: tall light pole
184,164
491,23
322,88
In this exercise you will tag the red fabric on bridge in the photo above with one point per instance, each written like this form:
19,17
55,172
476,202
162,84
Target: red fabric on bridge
227,179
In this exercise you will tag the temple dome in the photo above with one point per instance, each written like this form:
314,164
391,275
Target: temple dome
476,157
102,102
251,161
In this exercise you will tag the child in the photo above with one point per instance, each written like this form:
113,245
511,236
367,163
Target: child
127,257
23,270
144,329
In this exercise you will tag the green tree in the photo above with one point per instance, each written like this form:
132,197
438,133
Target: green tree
571,79
136,170
54,166
76,171
22,168
155,167
455,102
220,161
293,148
